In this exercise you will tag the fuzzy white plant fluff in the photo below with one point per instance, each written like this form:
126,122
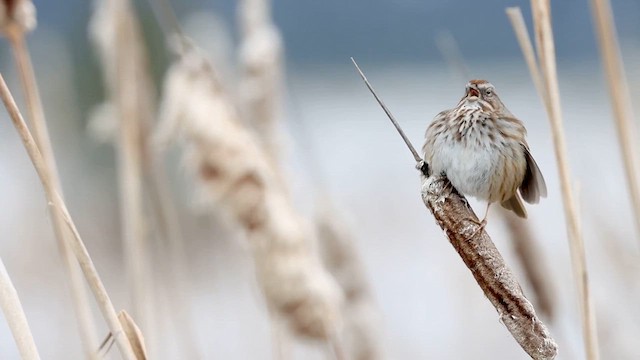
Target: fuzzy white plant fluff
235,175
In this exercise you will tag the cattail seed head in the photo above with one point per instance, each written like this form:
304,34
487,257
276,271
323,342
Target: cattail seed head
234,173
17,14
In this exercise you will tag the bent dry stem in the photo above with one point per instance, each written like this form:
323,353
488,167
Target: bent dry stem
77,245
86,324
453,214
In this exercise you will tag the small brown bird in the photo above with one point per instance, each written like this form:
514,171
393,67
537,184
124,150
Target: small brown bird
481,148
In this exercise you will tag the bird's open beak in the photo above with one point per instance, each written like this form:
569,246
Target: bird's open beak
474,92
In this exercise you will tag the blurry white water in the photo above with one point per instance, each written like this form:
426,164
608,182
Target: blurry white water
340,139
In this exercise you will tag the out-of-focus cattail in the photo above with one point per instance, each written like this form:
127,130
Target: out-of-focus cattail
360,313
234,174
17,15
262,66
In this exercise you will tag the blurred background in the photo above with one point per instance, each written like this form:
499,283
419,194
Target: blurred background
338,139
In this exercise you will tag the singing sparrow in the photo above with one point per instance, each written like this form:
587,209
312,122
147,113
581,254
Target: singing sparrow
481,148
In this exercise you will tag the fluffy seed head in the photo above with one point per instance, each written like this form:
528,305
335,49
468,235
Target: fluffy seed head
235,175
17,14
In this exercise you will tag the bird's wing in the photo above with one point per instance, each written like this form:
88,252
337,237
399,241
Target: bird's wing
533,186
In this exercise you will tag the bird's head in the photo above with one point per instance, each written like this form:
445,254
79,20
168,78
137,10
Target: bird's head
481,90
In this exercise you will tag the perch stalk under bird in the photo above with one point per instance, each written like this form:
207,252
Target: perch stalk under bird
481,148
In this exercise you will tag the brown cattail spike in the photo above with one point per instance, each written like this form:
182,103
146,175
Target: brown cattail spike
478,252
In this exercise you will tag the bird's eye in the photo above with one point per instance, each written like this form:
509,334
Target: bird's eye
488,92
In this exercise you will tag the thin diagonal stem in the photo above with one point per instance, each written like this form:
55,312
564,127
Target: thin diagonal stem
82,309
76,243
524,40
415,154
16,318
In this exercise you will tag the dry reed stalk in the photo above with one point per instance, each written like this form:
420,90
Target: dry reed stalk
140,121
57,203
16,318
533,263
361,337
234,174
115,32
261,86
522,34
162,204
19,19
620,98
460,224
546,53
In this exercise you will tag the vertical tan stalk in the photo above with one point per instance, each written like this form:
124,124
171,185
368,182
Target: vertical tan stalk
546,52
131,205
117,37
16,319
522,34
109,41
620,98
122,58
77,245
130,168
81,307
